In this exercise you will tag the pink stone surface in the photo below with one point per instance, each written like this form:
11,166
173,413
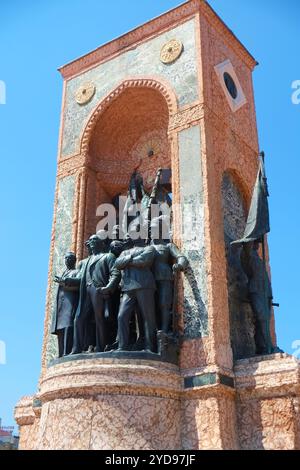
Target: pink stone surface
268,402
143,405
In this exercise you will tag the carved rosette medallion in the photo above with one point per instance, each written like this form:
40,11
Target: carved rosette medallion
85,93
150,146
171,51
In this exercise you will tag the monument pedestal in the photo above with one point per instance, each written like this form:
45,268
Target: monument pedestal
94,404
115,404
175,93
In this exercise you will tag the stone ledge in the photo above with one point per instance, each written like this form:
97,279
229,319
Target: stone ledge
24,413
114,357
110,376
256,359
277,374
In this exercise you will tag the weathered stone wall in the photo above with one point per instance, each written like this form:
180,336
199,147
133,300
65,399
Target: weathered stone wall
142,61
62,244
229,143
193,242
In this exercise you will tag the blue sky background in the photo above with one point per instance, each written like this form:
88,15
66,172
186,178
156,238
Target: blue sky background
36,37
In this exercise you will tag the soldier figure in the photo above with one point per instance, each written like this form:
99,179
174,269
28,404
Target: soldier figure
260,295
116,244
138,287
168,261
66,305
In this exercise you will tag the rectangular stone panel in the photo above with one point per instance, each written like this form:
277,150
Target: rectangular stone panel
62,244
193,240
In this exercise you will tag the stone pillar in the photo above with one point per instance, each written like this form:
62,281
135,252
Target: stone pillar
27,416
208,408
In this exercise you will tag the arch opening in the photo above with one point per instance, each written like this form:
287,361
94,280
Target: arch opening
242,327
130,134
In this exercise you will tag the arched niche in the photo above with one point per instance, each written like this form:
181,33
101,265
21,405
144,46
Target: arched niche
234,221
127,132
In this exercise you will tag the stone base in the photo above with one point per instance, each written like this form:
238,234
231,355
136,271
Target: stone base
126,404
268,402
105,404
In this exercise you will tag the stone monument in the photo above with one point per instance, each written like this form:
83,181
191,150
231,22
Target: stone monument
176,94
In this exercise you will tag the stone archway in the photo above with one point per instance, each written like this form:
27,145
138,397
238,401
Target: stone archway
128,130
161,87
240,313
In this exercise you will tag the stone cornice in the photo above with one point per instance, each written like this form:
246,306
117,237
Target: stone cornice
146,31
110,377
186,117
228,34
265,376
24,413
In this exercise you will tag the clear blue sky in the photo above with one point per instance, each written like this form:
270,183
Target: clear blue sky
38,36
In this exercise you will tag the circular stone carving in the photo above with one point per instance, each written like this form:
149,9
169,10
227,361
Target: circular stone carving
171,51
85,93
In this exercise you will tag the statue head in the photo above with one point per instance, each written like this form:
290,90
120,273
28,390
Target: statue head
97,244
128,241
134,236
87,244
70,260
116,247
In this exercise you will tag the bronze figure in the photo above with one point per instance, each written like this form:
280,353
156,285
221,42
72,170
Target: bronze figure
65,306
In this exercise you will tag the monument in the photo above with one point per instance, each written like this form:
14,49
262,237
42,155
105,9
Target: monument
174,343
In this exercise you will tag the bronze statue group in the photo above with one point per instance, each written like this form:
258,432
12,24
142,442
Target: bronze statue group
118,297
122,294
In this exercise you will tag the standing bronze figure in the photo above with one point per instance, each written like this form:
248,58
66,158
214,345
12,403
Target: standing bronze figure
168,261
66,306
260,291
260,296
138,287
98,279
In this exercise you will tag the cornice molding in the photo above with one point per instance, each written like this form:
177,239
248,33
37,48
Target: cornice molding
153,27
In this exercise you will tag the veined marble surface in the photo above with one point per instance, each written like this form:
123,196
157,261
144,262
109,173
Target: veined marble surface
141,61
